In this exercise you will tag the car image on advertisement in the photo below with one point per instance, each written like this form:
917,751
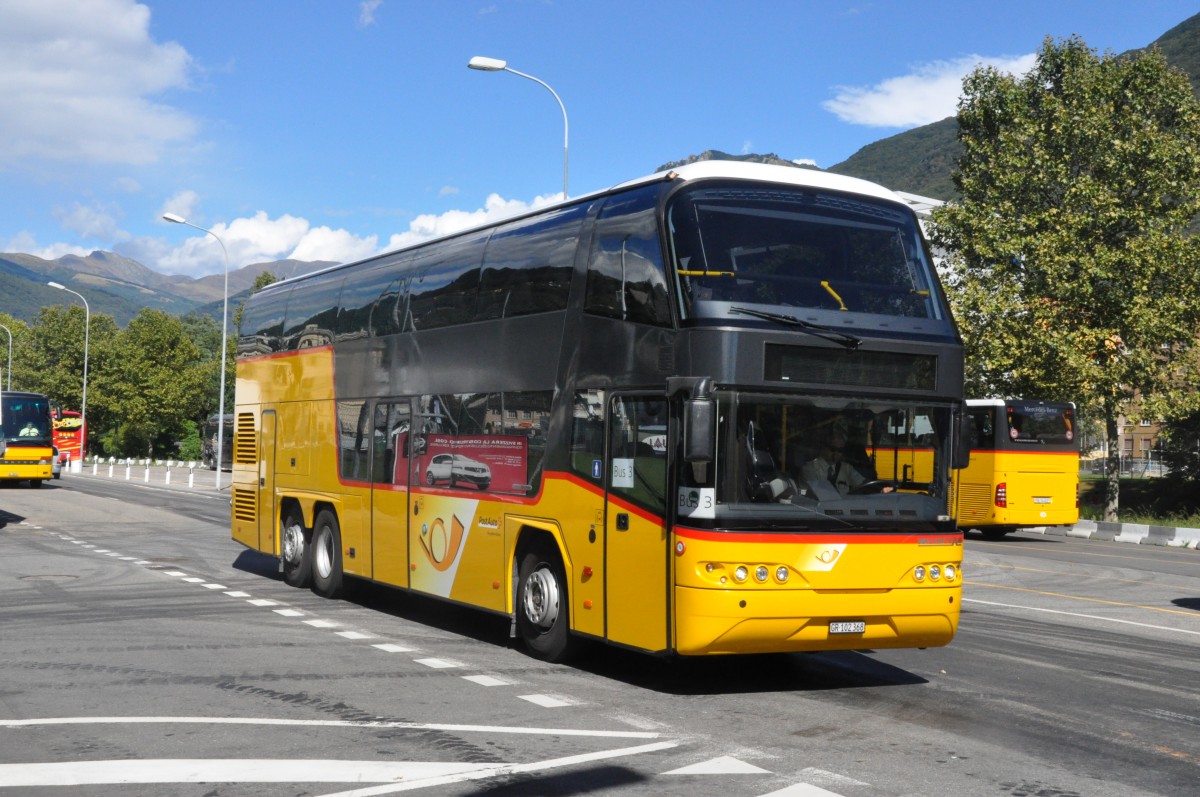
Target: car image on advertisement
456,468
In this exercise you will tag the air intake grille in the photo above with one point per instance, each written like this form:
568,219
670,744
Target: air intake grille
245,444
245,505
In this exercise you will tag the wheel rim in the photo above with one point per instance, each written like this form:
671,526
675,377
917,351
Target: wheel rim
541,597
293,543
323,555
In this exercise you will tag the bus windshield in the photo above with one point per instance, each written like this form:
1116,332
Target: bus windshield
844,260
792,463
1041,423
27,420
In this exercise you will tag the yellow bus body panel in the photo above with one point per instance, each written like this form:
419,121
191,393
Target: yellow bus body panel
20,462
1042,489
867,578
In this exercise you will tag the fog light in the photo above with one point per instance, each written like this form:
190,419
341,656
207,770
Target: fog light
760,573
935,572
951,572
919,572
781,574
740,573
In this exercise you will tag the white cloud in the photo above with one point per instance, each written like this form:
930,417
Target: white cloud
127,185
77,82
804,162
26,243
447,190
428,225
928,94
94,221
323,243
366,12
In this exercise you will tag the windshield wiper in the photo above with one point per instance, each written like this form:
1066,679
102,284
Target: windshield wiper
841,338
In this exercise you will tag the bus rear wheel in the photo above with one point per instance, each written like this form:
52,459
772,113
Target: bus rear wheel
327,555
295,552
543,605
995,532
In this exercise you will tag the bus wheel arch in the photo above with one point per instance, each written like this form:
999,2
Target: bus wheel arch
542,600
327,576
295,545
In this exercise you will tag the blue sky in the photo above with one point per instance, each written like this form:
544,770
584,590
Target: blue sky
335,129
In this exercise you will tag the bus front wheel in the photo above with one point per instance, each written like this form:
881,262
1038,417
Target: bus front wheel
295,552
542,604
327,555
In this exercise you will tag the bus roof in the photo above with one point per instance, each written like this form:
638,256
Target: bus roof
712,169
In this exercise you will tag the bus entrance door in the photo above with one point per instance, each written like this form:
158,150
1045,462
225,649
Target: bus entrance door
267,521
636,563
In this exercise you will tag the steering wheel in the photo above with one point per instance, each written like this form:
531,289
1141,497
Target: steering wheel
872,487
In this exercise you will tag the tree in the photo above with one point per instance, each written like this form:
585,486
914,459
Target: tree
49,358
157,380
1070,268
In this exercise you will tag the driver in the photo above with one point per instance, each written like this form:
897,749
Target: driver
830,462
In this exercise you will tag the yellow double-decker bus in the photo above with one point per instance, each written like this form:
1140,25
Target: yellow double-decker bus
1024,469
26,420
709,411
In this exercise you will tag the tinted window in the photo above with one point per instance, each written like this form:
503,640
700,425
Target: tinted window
528,265
262,323
373,301
626,278
312,312
447,283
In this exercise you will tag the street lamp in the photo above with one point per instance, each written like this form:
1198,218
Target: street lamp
496,65
9,331
171,217
77,465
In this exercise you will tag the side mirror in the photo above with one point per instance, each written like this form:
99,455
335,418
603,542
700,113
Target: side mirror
964,432
699,430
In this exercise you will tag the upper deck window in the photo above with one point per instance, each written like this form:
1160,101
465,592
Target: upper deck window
840,258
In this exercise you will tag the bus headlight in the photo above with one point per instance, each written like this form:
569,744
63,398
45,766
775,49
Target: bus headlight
740,573
760,573
935,572
919,572
951,572
781,574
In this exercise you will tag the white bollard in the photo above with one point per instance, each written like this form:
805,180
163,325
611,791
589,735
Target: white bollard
168,479
110,468
191,474
126,470
146,478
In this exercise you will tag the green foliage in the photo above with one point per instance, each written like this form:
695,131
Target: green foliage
1071,273
191,446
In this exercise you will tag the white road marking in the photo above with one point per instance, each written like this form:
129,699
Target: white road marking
546,701
409,726
193,580
176,573
724,765
262,602
355,635
486,680
227,770
388,647
237,593
214,586
440,664
827,777
802,790
1084,616
322,623
289,612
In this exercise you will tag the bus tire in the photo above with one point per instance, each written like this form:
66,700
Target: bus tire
295,550
543,615
35,483
327,555
995,532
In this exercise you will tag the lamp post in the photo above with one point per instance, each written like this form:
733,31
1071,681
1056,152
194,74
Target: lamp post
171,217
9,372
496,65
77,465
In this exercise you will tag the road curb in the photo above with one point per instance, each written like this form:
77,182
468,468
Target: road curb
1137,533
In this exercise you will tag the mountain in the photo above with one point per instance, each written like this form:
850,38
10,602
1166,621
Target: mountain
921,160
120,287
717,155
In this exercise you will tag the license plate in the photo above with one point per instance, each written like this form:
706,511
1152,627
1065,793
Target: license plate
1042,499
848,627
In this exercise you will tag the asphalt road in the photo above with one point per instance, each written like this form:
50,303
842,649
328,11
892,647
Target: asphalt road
143,652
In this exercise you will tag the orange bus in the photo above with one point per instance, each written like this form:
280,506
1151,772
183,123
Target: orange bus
27,423
69,437
617,418
1024,469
